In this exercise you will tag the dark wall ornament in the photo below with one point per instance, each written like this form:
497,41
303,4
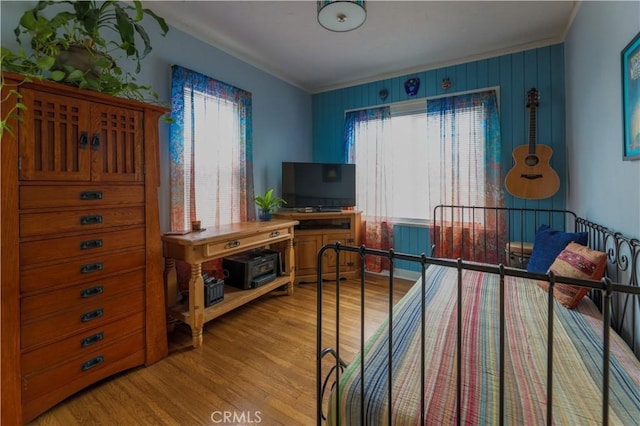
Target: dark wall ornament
383,93
446,83
411,86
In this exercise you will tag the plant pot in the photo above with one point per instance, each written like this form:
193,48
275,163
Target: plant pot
264,215
90,62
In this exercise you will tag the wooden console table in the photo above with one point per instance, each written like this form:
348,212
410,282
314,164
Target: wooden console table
196,248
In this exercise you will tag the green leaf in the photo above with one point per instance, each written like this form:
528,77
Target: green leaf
57,75
61,18
103,62
44,4
145,39
75,75
93,84
45,62
139,11
4,126
28,20
125,27
159,20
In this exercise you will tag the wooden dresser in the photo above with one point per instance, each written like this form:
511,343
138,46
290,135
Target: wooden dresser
82,290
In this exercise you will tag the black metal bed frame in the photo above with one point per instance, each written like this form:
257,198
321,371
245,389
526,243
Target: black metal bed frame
617,295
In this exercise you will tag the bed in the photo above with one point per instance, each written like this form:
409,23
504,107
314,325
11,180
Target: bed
508,372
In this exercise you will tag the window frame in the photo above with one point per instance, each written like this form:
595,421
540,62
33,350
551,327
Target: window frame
188,85
418,105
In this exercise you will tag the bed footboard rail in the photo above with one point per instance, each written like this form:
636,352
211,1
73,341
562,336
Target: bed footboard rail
329,338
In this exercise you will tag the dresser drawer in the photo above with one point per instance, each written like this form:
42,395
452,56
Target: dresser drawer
38,197
80,270
79,319
98,362
35,224
80,345
56,249
43,304
219,248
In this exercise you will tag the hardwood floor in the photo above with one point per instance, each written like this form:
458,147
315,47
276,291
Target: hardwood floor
256,366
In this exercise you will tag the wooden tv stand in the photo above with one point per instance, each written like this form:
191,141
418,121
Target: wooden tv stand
316,229
195,248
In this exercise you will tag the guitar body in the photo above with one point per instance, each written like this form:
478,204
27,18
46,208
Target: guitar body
532,177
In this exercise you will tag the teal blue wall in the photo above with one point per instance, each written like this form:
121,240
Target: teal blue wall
411,239
514,74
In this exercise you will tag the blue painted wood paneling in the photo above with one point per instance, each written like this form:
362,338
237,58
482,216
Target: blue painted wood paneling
411,239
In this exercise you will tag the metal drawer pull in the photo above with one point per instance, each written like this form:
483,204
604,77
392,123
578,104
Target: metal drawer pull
84,140
92,363
91,267
233,244
91,219
92,291
274,234
95,141
91,195
91,340
91,315
91,244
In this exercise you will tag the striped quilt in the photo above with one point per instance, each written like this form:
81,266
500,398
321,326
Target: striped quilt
577,367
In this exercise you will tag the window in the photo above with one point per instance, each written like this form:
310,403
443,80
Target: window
417,155
211,174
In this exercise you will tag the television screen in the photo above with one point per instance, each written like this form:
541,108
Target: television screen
322,186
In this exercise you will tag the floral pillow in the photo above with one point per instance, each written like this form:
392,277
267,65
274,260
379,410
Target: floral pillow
576,261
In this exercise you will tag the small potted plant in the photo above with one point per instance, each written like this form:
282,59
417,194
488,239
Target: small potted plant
267,204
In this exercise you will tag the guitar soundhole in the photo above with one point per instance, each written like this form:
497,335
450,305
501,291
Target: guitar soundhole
531,160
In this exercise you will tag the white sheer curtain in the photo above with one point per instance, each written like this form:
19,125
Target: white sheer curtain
455,157
215,152
375,171
368,144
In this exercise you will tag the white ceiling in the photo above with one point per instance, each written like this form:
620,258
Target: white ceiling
284,38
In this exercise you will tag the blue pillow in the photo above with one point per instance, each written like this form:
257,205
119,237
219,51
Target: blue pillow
548,244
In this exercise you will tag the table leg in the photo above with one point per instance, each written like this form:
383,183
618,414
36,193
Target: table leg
171,290
196,304
289,254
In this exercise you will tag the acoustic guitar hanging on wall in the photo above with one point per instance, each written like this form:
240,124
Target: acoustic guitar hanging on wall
532,177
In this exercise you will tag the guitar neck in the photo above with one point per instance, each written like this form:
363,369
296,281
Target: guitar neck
532,129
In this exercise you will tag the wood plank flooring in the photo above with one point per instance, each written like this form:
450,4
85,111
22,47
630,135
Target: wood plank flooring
256,366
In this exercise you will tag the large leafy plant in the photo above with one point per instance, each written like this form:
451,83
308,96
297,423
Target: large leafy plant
109,32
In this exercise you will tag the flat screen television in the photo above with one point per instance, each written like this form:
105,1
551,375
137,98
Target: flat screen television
320,186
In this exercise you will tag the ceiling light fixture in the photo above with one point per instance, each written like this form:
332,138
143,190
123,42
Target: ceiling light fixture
341,15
